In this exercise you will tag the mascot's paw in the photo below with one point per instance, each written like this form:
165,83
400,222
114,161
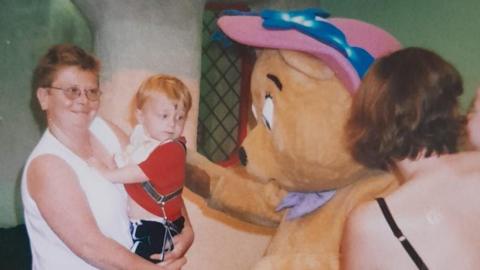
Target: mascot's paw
197,180
302,261
234,191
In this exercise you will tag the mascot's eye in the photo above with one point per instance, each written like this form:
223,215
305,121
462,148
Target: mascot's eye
254,112
267,112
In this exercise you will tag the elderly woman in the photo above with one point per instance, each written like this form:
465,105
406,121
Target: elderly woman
75,218
405,119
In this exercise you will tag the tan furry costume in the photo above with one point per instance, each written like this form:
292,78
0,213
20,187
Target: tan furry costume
297,144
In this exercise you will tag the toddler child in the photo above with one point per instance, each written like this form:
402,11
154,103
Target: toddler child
153,165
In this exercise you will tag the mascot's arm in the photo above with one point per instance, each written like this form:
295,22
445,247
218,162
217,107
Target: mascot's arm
233,191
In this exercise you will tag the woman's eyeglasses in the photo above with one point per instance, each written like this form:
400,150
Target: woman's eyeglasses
74,92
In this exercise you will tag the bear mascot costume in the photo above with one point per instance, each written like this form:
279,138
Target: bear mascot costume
296,173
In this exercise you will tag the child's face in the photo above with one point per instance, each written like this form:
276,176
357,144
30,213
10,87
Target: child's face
162,118
473,126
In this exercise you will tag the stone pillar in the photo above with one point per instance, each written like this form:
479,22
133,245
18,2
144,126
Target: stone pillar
137,38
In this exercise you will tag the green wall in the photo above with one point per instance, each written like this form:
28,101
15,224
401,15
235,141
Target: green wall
27,29
451,28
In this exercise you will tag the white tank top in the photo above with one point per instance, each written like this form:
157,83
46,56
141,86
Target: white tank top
107,202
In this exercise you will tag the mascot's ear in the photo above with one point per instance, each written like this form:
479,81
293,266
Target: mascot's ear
307,64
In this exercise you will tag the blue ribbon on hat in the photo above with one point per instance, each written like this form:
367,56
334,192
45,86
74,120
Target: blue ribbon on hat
313,23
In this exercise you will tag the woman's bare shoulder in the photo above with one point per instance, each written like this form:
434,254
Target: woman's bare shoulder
48,174
47,165
463,162
362,234
364,218
364,226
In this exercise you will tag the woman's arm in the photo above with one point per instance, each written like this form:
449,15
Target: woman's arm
53,186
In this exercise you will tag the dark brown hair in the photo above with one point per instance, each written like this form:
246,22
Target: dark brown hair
56,58
407,103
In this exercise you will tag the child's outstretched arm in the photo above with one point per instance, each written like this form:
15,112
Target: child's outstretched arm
130,173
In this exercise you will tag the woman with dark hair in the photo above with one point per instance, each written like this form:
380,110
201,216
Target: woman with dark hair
75,218
405,119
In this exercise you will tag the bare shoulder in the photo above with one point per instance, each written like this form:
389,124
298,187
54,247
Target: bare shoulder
362,220
47,168
460,172
360,237
49,175
462,163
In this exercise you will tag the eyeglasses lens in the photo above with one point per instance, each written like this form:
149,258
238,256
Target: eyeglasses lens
74,92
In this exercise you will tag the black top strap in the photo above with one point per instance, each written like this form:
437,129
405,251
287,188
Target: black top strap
399,235
157,196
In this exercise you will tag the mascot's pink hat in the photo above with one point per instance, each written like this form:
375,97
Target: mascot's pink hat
249,30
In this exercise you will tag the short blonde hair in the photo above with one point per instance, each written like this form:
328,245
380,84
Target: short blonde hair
168,85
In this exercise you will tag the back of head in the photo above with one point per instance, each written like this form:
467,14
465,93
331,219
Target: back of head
58,57
170,86
407,105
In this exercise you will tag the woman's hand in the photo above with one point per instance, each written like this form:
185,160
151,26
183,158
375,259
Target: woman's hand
181,243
